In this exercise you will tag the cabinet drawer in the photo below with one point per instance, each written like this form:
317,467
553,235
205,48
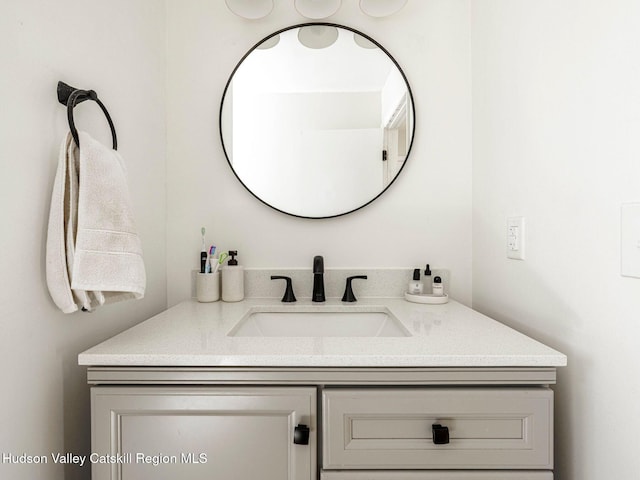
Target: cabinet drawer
508,428
436,475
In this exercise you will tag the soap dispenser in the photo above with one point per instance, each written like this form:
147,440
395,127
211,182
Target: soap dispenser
232,279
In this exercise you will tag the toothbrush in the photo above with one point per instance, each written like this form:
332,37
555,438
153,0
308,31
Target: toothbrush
203,253
210,256
222,258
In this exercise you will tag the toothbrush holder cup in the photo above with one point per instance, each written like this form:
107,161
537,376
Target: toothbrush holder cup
208,287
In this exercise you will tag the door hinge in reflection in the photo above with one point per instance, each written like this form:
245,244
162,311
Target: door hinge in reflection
384,155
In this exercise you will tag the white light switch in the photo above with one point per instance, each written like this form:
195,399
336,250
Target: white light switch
630,240
515,238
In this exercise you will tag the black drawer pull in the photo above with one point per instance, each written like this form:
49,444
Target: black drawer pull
440,434
301,435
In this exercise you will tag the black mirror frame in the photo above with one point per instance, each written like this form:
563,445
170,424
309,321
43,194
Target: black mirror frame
413,112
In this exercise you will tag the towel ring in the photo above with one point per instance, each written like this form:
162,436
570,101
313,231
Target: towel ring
70,97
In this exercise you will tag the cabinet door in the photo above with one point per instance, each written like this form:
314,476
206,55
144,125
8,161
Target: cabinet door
157,433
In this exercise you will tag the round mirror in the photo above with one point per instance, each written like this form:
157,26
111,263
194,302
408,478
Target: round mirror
317,120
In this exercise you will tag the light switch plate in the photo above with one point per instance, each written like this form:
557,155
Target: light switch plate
630,240
515,238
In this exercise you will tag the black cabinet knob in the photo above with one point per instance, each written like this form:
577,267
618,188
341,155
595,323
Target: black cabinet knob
301,435
440,434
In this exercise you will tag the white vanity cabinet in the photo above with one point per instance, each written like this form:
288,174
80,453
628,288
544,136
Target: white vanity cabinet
371,423
154,433
180,388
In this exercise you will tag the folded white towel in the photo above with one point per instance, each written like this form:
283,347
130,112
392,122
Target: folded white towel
56,259
71,220
93,252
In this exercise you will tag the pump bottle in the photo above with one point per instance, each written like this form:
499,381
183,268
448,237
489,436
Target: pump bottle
232,279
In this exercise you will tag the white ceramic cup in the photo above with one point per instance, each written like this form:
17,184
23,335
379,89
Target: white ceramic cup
208,287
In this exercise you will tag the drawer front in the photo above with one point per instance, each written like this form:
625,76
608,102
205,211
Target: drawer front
436,475
508,428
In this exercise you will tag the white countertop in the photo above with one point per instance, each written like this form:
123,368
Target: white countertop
193,334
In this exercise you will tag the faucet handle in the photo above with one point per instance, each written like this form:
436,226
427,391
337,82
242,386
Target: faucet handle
348,291
288,293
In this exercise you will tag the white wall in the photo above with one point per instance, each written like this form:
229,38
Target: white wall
424,217
556,138
116,48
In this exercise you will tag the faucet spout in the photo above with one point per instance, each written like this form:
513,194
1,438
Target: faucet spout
318,279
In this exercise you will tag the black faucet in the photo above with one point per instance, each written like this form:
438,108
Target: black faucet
318,279
289,296
348,290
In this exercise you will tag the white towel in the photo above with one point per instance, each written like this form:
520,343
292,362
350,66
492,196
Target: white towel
93,252
56,258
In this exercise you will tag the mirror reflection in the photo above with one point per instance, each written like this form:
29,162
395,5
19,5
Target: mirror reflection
317,120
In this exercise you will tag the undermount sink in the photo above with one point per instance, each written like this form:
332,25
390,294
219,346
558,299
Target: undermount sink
318,323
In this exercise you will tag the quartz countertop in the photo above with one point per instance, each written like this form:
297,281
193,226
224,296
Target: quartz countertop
193,334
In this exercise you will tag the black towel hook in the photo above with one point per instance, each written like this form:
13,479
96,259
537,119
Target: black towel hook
71,96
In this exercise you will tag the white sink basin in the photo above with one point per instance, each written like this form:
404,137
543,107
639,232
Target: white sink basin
319,323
